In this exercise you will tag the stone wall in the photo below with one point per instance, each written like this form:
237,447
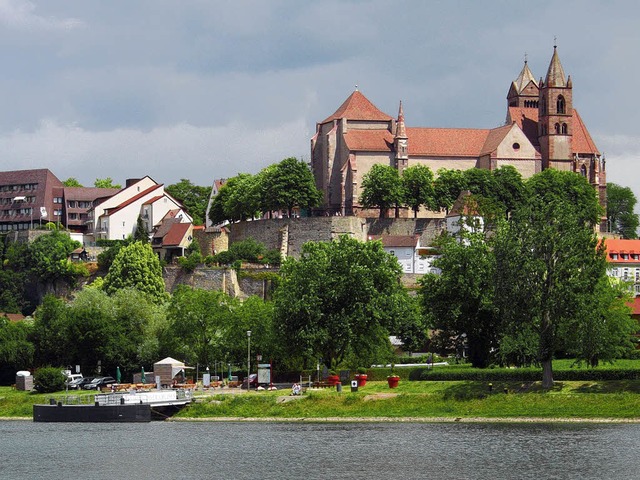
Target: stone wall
289,234
221,279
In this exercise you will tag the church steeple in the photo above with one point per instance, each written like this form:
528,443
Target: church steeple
400,142
555,117
524,89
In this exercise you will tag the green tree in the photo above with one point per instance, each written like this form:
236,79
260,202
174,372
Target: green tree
339,298
447,187
621,217
136,266
71,182
140,234
48,259
193,197
417,182
198,322
382,188
105,183
242,197
50,333
287,185
16,350
604,330
509,187
459,302
548,260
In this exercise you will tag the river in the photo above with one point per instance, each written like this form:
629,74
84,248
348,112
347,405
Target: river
390,451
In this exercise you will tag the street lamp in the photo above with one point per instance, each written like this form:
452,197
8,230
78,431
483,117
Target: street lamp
248,360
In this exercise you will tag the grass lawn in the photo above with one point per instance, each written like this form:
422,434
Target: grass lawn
588,400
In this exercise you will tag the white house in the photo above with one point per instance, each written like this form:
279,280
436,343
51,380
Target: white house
463,216
411,256
116,217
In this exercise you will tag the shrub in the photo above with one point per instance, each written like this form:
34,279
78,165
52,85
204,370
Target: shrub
49,379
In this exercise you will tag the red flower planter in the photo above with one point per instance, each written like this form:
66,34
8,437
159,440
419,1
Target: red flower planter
333,379
393,382
362,379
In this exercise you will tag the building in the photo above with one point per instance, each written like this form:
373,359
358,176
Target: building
542,130
411,256
623,258
116,217
33,197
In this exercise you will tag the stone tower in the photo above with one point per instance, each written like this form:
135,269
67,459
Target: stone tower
555,114
400,142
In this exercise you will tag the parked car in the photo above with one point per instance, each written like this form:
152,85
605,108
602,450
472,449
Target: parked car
79,383
100,382
253,379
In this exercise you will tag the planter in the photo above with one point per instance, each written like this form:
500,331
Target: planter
333,379
362,379
393,381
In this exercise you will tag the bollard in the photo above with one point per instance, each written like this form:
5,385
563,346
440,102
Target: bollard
490,387
339,387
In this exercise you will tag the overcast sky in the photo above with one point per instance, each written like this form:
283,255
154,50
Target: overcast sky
203,89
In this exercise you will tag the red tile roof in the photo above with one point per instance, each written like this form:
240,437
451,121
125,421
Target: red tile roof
369,140
176,234
447,142
495,137
396,240
88,193
152,200
13,317
358,107
527,120
619,246
635,306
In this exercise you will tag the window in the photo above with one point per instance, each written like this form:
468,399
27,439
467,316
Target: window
636,289
557,127
72,204
614,272
516,146
560,105
57,199
73,216
564,128
583,172
57,213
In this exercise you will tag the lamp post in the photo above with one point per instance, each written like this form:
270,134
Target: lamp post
248,360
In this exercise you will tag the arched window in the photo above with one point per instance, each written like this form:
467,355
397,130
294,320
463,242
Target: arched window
564,128
556,127
583,171
560,106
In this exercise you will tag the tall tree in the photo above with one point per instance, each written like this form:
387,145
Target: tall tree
381,188
140,234
193,197
417,182
16,351
290,184
339,298
548,260
105,183
621,217
447,187
459,302
136,266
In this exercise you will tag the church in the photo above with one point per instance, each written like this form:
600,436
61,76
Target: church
542,130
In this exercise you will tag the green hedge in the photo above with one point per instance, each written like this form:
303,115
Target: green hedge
522,374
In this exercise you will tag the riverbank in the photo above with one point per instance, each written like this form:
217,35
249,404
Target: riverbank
453,401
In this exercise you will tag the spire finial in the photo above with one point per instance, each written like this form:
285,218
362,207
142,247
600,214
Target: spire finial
525,57
356,87
555,42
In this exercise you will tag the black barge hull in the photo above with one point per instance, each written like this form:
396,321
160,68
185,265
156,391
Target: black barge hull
92,413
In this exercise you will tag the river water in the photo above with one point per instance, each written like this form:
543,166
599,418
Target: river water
390,451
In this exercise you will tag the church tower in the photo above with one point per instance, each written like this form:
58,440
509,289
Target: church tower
400,142
524,91
555,112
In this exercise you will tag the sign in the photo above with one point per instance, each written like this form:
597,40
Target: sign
206,379
264,373
43,212
259,357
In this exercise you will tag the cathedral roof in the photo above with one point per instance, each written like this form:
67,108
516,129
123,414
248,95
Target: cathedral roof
555,73
358,107
369,140
582,141
524,78
447,142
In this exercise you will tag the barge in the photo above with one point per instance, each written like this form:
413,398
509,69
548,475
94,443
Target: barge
114,407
